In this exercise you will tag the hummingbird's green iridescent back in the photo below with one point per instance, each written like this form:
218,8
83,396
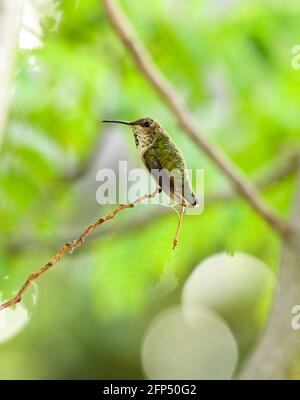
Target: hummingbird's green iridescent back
165,153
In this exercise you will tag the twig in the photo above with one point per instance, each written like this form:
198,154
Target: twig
187,120
71,246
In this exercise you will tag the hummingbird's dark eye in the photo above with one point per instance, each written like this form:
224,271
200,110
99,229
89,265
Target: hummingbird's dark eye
147,123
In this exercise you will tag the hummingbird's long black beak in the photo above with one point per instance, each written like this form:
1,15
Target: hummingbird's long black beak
118,121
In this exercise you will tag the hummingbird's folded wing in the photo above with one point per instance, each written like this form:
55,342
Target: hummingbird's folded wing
175,182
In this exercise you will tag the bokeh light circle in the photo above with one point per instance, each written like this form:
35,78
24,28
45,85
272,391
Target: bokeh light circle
189,344
238,288
12,322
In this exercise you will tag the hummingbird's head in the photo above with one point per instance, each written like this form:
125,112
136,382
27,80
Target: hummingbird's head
145,130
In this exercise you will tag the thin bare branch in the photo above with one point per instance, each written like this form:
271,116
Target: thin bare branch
186,119
281,169
69,246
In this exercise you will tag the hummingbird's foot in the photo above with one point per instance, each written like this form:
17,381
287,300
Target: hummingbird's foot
175,240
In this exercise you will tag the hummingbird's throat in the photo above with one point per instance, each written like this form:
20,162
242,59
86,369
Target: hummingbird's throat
142,138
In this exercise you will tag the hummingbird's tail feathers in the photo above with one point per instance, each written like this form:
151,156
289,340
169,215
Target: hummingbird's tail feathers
188,194
194,201
191,201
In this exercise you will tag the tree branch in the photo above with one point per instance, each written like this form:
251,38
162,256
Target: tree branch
70,246
274,355
186,119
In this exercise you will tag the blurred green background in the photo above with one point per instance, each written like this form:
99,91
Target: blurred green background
232,62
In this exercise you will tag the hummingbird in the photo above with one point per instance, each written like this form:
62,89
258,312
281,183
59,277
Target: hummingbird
164,161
